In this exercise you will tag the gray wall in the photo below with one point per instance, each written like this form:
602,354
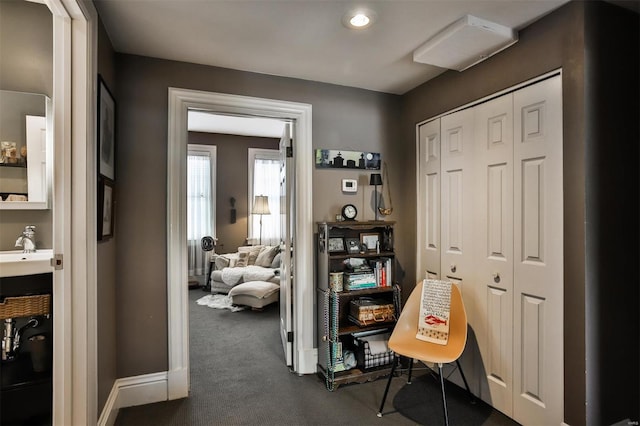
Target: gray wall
558,41
26,65
343,118
231,181
612,139
106,262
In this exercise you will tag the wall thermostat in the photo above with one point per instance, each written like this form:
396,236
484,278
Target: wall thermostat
349,185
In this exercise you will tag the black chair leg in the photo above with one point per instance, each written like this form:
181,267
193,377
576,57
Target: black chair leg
464,379
444,398
386,389
410,370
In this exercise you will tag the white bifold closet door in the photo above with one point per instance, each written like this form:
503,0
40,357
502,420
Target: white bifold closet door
493,322
538,254
429,200
501,233
456,256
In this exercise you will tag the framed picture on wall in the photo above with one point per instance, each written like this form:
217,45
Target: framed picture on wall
106,131
105,208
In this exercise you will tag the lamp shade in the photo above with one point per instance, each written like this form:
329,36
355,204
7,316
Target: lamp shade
376,179
261,205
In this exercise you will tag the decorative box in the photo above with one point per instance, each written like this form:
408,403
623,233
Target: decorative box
367,311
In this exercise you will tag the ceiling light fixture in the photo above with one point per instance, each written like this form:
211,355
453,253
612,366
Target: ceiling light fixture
464,43
358,19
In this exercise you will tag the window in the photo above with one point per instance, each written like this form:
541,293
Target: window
264,179
201,162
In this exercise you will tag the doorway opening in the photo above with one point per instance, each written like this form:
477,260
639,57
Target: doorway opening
302,314
237,159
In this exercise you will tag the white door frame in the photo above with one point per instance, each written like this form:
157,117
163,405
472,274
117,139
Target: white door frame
74,211
180,101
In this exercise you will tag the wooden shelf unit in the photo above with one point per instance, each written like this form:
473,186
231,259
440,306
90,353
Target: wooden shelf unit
335,328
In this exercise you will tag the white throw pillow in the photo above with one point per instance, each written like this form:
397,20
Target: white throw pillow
253,253
266,256
243,260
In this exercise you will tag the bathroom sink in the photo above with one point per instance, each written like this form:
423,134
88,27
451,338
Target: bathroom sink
15,262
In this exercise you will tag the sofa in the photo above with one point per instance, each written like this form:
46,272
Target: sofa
254,270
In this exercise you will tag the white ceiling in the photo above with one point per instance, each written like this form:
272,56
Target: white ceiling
303,38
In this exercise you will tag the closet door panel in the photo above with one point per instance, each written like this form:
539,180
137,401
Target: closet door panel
538,254
493,250
457,193
457,135
429,200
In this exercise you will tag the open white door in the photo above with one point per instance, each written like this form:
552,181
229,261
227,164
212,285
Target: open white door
287,221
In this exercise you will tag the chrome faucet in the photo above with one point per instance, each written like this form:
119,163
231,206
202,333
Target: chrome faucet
12,335
27,239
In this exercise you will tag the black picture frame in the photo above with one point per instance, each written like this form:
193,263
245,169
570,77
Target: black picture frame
106,124
353,245
335,244
106,208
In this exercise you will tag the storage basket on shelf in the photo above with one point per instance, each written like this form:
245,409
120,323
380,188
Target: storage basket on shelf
372,351
366,311
25,306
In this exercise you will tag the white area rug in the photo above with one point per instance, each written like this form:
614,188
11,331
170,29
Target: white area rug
219,301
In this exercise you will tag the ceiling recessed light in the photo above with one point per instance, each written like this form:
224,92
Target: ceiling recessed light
358,19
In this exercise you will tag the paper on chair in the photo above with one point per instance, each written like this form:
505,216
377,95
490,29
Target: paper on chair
433,324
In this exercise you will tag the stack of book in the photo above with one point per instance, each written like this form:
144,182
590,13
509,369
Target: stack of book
359,280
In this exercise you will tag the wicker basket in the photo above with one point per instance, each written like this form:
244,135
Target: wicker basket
25,306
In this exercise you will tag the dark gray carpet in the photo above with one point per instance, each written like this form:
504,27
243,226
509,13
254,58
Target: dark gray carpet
238,377
421,401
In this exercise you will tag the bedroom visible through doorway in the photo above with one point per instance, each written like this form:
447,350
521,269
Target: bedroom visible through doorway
232,163
180,101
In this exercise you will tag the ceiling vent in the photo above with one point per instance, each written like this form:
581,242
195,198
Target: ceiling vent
464,43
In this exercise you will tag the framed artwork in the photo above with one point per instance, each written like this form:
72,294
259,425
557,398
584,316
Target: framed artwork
106,131
336,244
105,209
353,245
341,159
370,240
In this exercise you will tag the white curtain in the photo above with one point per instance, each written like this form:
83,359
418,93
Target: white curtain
266,181
199,209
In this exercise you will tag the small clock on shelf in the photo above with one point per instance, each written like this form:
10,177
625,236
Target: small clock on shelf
349,212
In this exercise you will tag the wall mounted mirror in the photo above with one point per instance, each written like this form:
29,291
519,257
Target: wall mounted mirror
25,150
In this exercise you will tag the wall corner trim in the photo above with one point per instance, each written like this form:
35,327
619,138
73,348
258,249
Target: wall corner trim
132,391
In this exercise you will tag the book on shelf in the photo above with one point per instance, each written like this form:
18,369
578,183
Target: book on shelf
382,271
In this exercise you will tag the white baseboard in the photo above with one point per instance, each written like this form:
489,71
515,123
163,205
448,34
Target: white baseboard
131,391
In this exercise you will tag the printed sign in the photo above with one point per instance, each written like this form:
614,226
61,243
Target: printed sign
433,324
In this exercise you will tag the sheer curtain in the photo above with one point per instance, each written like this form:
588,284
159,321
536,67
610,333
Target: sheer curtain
266,181
200,214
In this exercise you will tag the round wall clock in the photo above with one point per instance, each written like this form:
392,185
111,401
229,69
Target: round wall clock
349,212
